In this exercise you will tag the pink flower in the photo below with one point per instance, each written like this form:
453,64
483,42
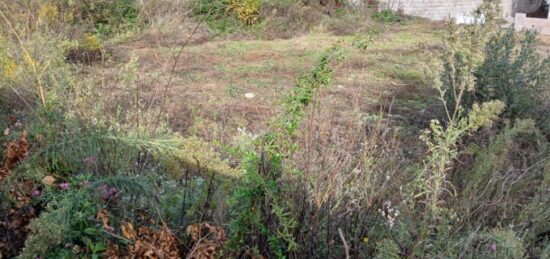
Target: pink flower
64,186
108,192
493,247
89,160
35,193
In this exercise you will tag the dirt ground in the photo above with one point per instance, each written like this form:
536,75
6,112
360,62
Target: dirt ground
222,85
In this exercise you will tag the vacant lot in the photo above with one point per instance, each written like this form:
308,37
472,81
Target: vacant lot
211,81
269,129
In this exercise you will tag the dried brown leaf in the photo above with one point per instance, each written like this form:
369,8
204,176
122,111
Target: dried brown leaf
103,215
128,230
208,239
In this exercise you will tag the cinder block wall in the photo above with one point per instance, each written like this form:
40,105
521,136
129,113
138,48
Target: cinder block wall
526,6
443,9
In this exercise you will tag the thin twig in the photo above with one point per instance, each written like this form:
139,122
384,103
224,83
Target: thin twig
346,247
169,83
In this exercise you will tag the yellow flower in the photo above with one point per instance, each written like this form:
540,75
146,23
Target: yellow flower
68,17
47,13
92,42
245,10
9,67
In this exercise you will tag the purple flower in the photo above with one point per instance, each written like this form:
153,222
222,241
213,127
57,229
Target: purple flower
493,247
35,193
108,192
64,186
89,160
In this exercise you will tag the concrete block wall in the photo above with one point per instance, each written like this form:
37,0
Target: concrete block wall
443,9
526,6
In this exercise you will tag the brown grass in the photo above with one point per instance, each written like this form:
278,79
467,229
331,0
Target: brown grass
210,81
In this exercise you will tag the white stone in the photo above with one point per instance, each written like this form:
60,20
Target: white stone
249,95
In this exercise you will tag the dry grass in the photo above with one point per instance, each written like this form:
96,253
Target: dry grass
211,79
545,43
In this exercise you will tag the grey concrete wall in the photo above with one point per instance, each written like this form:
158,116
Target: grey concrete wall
435,9
526,6
459,9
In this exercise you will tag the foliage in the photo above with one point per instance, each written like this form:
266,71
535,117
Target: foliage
364,41
463,54
66,219
495,243
92,42
387,16
89,174
107,16
245,10
257,203
442,145
515,73
435,193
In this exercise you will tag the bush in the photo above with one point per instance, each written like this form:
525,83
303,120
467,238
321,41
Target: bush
517,74
107,16
387,16
245,10
504,68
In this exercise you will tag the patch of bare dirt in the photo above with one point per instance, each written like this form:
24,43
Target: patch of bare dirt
207,96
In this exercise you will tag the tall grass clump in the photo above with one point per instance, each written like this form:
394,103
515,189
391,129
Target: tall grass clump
264,223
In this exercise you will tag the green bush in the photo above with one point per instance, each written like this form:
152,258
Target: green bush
387,16
106,16
517,74
263,221
504,68
210,9
496,161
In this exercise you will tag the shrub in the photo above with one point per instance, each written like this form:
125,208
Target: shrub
516,73
108,16
92,42
504,69
462,55
263,222
210,9
387,16
494,243
496,176
245,10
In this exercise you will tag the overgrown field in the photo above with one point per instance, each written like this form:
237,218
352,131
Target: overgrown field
269,129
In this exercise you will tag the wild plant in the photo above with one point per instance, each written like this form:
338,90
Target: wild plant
495,177
462,55
515,72
245,10
432,186
264,222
